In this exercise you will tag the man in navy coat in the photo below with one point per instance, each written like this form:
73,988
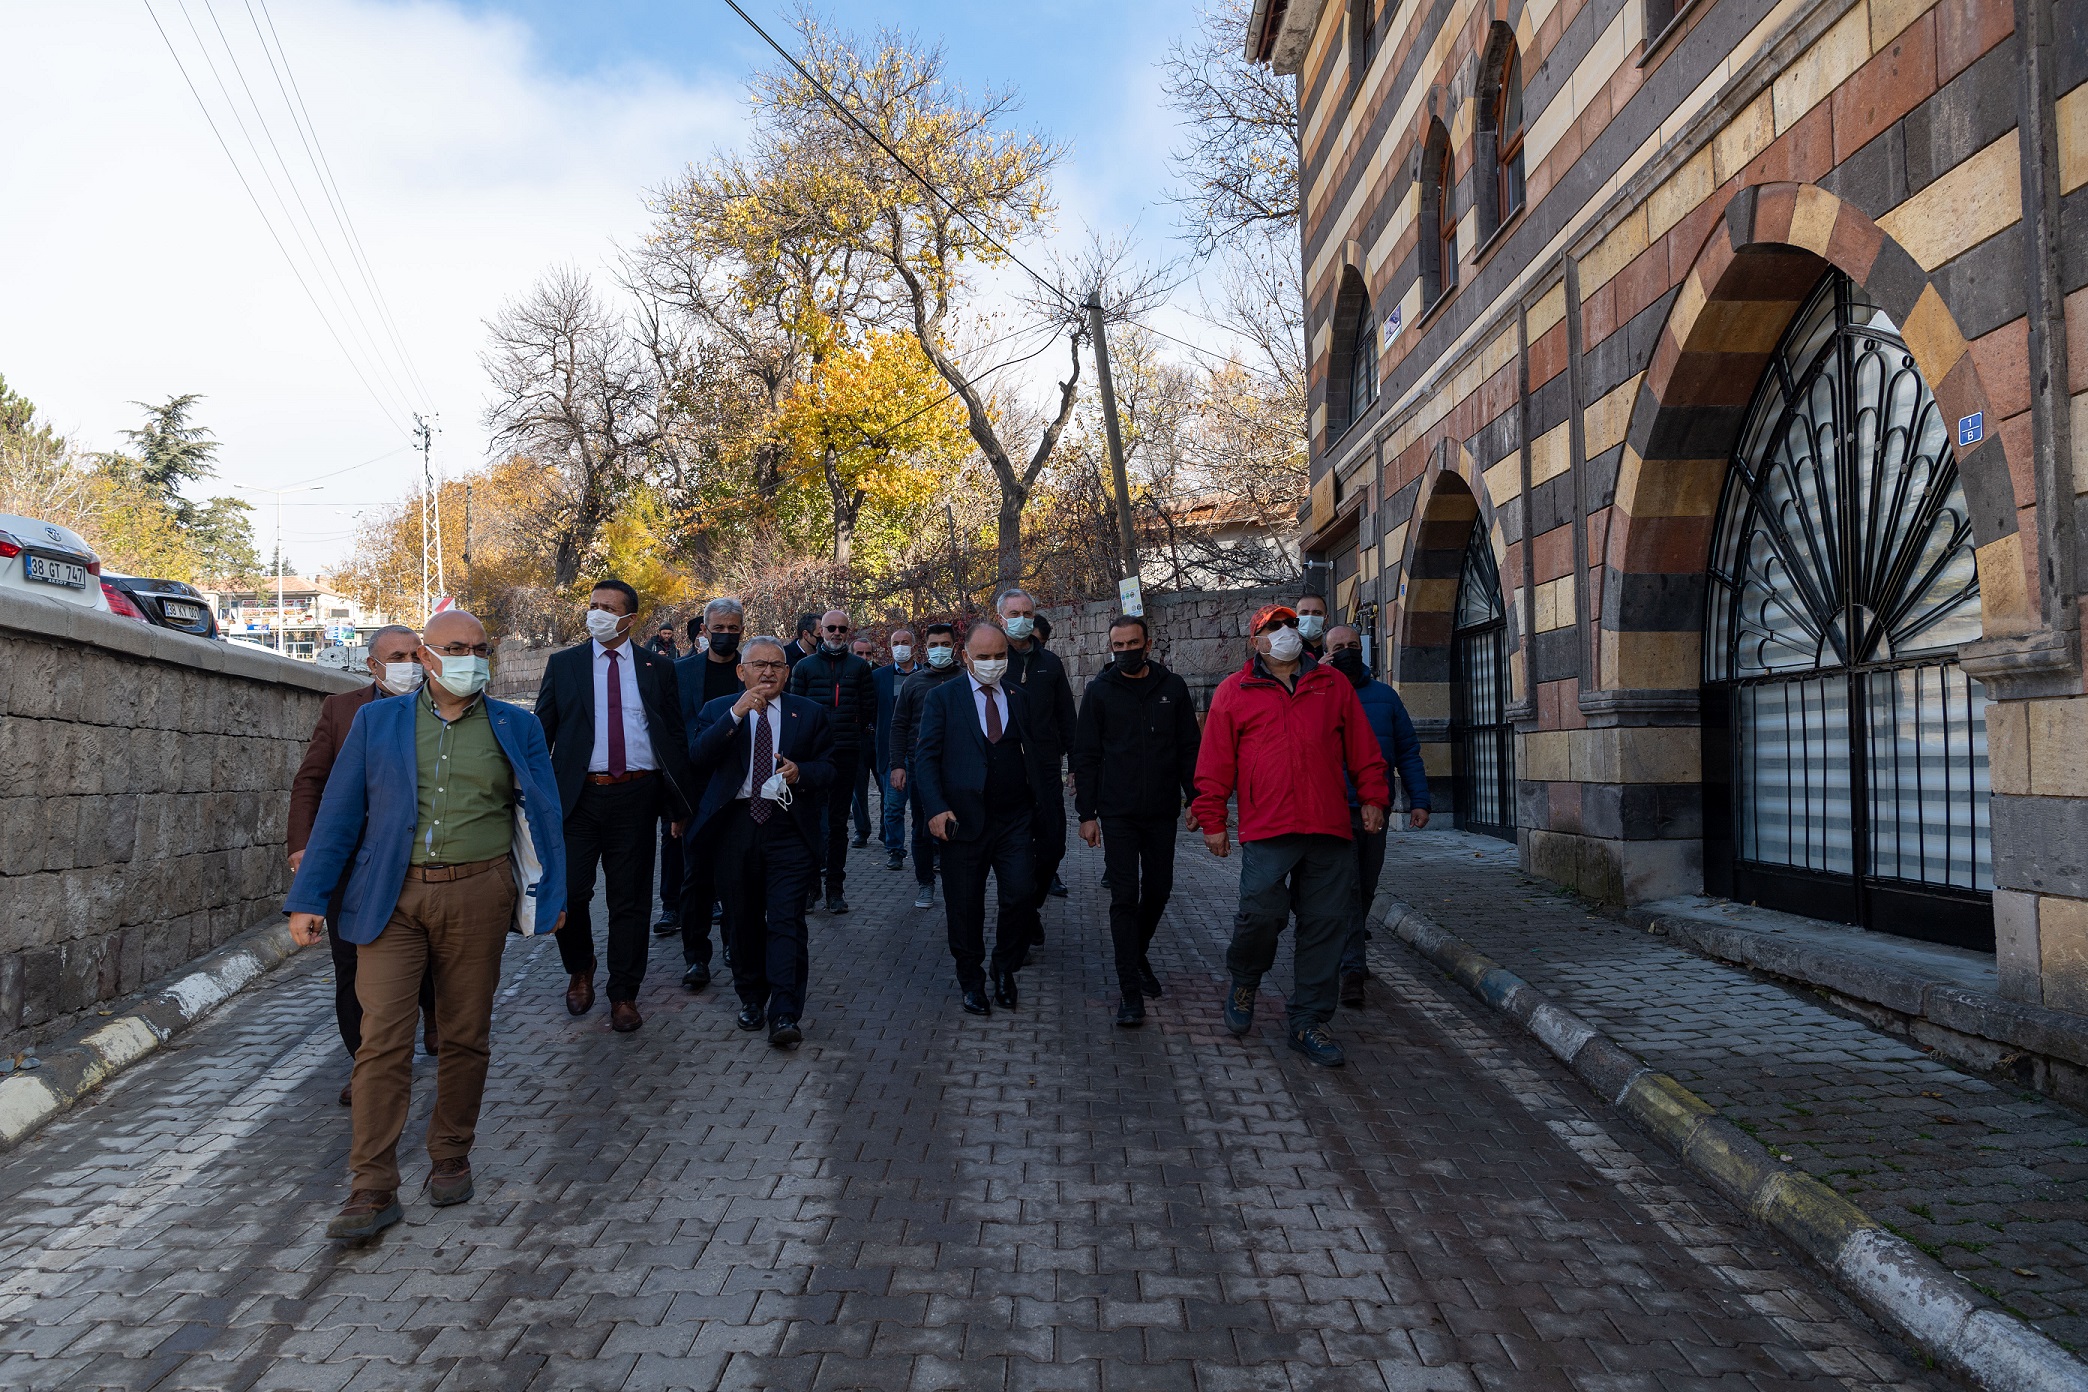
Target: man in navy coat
442,800
981,773
767,757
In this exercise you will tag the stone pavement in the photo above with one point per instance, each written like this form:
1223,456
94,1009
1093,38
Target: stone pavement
1989,1179
916,1199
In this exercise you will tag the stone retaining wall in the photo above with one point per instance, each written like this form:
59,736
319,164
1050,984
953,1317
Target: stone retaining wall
1201,634
143,814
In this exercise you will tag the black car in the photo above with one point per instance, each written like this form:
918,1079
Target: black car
168,603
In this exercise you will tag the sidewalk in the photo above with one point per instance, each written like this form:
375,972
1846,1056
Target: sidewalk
1992,1182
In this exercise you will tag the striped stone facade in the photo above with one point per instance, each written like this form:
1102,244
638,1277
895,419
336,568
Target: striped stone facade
1572,374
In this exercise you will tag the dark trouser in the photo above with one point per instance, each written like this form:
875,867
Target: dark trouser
670,869
611,825
1138,866
1002,849
836,825
348,1011
926,849
1315,877
766,869
860,806
1370,865
699,893
459,926
1047,845
891,807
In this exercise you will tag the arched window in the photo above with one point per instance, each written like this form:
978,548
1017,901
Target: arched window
1363,377
1850,744
1362,37
1508,127
1352,383
1438,217
1498,141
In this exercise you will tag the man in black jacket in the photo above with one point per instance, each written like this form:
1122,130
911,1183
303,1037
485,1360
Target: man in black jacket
1134,769
709,671
1042,677
611,712
939,653
841,684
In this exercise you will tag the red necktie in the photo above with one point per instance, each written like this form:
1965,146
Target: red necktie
616,744
993,720
760,808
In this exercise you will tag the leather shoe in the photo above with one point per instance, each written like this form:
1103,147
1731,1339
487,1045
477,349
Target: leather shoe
580,994
450,1183
836,904
752,1017
367,1213
1057,891
431,1038
784,1033
667,926
1149,984
624,1016
860,842
348,1093
1004,994
1131,1014
697,976
975,1003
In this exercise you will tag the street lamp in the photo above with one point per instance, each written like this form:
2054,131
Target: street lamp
279,492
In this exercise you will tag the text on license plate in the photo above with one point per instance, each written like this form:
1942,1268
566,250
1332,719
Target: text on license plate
181,613
55,572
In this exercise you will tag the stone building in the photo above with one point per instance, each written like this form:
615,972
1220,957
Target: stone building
1697,408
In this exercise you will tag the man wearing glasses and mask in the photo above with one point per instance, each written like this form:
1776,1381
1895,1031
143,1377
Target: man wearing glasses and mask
441,801
842,685
612,713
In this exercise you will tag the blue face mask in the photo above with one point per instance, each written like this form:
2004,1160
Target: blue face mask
941,657
1021,625
464,676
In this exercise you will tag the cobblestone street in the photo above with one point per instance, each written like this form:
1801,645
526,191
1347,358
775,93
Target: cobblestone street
915,1199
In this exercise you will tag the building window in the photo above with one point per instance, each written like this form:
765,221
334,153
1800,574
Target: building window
1438,217
1362,36
1659,15
1851,743
1497,143
1363,377
1483,738
1352,372
1508,127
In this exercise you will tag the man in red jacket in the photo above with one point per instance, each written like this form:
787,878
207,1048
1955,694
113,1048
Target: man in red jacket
1282,733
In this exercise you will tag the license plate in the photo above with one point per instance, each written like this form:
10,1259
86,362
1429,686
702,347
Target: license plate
179,612
52,571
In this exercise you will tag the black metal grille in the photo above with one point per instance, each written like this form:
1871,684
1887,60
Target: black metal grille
1482,736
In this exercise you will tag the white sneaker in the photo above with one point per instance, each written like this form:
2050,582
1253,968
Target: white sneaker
926,898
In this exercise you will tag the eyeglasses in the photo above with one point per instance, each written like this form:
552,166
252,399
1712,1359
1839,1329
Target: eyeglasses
1277,623
466,650
768,665
838,628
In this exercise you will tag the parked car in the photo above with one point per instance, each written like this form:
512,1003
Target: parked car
168,603
45,559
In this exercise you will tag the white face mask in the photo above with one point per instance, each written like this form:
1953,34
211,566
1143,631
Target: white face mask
941,657
989,670
602,625
776,790
464,676
901,653
1285,645
1311,625
402,678
1021,625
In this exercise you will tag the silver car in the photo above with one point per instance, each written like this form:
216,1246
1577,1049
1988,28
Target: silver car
45,559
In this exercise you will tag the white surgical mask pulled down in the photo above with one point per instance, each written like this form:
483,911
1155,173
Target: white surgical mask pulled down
1021,625
901,653
1311,625
1285,645
989,670
941,657
776,790
464,676
402,678
601,624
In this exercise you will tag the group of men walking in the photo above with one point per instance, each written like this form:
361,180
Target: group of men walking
430,819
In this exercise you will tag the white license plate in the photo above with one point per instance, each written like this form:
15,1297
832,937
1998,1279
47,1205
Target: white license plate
179,612
52,571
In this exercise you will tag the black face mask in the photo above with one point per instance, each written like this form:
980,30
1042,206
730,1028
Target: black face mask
1349,662
1130,663
724,644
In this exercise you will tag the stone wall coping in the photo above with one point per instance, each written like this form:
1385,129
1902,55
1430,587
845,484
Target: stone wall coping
36,617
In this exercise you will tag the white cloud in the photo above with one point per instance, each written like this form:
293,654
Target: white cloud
138,268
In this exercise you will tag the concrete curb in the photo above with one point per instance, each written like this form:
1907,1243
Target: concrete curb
77,1066
1892,1279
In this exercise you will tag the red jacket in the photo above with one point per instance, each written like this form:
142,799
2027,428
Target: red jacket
1284,753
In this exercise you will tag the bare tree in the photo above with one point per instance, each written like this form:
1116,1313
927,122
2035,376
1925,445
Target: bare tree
1243,149
573,392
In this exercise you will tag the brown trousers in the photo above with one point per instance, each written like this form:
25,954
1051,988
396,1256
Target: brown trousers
461,925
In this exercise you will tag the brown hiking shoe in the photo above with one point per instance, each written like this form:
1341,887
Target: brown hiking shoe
367,1213
450,1183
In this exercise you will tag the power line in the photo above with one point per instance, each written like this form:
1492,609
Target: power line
262,212
897,158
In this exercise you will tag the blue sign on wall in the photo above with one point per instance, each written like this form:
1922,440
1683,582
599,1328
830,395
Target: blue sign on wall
1971,429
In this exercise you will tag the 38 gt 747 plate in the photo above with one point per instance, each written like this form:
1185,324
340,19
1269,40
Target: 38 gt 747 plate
52,571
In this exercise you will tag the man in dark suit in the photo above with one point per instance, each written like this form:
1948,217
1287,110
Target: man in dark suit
394,671
709,671
612,713
805,642
767,758
981,777
1042,677
841,684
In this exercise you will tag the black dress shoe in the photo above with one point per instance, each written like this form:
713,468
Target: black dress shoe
860,842
1131,1014
668,925
752,1017
784,1033
1148,983
975,1003
1058,888
697,976
1004,994
836,904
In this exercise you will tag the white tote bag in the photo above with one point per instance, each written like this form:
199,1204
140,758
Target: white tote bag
529,874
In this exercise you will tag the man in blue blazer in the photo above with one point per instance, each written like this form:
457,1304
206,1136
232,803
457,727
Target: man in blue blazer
980,771
768,758
447,805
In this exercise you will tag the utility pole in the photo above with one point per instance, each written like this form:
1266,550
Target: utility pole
1127,538
431,516
467,531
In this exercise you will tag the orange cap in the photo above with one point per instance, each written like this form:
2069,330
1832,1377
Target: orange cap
1267,612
